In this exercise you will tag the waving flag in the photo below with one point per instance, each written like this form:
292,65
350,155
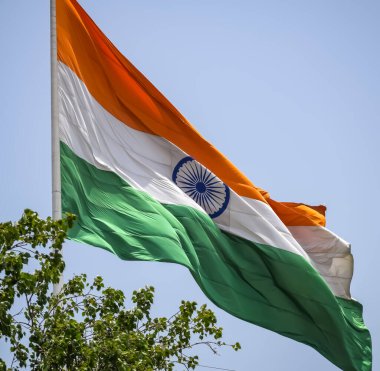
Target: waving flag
147,186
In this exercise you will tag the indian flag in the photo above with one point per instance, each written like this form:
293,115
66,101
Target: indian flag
146,185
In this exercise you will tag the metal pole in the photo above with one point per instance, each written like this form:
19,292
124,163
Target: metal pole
56,170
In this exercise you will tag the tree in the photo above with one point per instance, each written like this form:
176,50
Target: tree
86,326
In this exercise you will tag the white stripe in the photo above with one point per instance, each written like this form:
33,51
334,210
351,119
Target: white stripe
146,162
330,254
103,141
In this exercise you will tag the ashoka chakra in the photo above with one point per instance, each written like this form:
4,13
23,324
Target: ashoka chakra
206,189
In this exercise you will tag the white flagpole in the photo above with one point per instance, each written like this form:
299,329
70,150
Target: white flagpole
56,170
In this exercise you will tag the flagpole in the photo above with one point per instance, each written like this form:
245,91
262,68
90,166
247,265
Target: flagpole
56,171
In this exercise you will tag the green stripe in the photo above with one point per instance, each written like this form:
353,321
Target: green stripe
267,286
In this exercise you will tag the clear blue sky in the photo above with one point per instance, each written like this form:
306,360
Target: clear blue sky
288,90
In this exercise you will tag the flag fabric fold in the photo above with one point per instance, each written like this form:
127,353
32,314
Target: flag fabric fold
147,186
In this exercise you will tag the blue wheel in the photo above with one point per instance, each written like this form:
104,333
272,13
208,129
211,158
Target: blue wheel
206,189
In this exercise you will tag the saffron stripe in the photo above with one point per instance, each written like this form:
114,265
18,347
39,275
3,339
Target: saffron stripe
124,92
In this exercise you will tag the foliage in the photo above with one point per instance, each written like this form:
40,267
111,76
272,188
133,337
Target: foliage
86,326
